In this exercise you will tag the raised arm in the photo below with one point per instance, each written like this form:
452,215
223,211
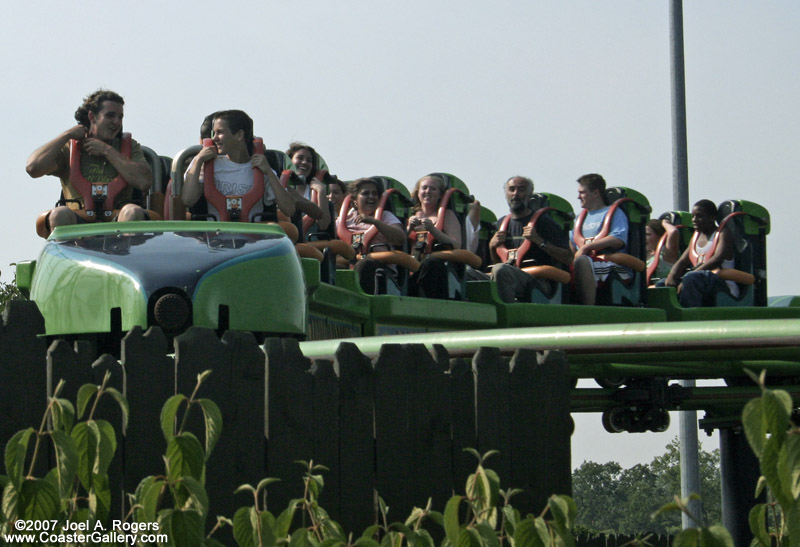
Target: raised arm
671,250
44,159
192,189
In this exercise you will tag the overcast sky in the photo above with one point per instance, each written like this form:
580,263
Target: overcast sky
484,90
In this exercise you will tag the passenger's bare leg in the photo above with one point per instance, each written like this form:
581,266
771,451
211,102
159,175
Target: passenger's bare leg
131,212
62,216
585,284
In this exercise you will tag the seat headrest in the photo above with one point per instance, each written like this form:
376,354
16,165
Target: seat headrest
538,201
727,207
614,193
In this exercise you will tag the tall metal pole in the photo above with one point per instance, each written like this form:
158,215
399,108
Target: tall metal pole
680,163
689,451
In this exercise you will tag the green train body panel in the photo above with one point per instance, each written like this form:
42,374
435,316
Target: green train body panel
86,272
72,295
278,307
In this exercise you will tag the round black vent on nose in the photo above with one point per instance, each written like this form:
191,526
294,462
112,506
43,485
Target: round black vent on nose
172,312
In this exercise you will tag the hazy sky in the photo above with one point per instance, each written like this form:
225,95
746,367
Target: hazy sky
484,90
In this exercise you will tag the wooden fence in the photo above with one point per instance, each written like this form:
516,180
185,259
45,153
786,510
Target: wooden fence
396,425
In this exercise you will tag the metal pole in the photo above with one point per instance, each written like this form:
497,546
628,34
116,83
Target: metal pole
680,163
690,465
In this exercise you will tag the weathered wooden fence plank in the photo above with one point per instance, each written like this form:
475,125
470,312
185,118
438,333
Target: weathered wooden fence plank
412,428
196,351
462,394
540,428
356,441
149,382
290,419
326,431
493,410
23,369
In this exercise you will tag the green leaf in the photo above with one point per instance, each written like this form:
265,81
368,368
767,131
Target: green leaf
299,538
108,444
423,539
16,452
244,488
213,420
183,527
488,534
451,527
760,485
203,376
197,496
86,447
483,487
753,423
267,528
690,537
716,536
10,501
560,509
284,520
758,525
100,498
529,533
63,415
84,396
417,513
38,500
211,542
469,537
770,461
512,517
147,495
185,457
792,516
168,413
95,444
777,409
66,461
436,517
367,542
263,483
243,530
792,462
370,531
402,528
123,405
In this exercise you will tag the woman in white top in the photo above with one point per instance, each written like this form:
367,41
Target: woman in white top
366,194
431,279
307,177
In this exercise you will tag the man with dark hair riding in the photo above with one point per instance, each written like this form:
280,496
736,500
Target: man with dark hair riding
549,244
695,272
105,155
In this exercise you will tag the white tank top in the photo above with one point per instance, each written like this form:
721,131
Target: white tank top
703,251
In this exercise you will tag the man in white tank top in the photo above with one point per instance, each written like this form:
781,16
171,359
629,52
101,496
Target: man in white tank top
709,250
